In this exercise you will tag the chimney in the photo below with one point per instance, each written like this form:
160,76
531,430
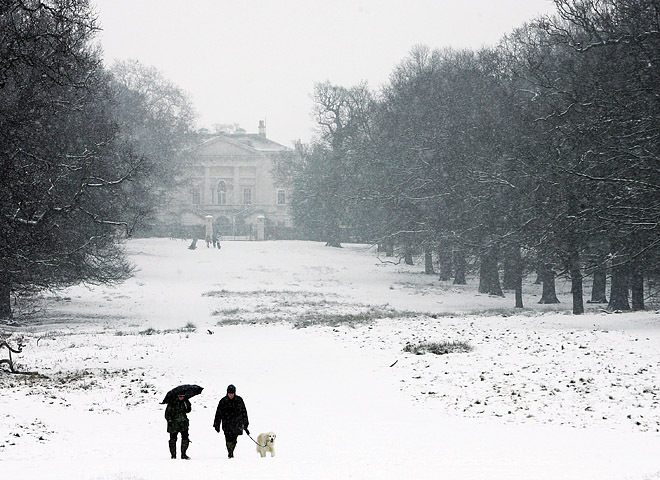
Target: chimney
262,128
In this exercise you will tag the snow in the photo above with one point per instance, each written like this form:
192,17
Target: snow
542,395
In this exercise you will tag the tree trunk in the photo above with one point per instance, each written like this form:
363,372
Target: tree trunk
549,294
599,289
445,259
389,248
407,255
428,262
459,268
332,234
5,296
575,271
518,269
619,287
510,267
489,277
518,290
637,286
574,267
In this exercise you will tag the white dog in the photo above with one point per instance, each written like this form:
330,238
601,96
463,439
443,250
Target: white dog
266,443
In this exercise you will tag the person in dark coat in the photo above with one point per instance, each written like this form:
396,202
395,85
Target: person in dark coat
231,414
177,422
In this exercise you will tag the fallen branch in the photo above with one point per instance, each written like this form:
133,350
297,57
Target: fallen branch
10,361
389,261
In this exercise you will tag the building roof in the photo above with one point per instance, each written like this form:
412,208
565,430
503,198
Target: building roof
249,141
258,142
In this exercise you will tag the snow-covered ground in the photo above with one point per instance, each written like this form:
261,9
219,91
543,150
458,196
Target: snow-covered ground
313,338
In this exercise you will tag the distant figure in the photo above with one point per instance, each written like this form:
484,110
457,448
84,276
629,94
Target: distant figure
177,421
217,240
208,234
232,416
193,244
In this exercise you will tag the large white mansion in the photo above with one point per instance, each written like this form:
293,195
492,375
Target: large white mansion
231,184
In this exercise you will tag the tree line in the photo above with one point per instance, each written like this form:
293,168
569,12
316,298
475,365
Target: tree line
540,154
86,151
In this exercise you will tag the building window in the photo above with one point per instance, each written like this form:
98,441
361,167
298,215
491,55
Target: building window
281,197
222,193
247,196
196,196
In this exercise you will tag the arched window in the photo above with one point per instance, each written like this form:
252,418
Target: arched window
222,193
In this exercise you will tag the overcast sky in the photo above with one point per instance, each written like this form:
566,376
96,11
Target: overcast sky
250,60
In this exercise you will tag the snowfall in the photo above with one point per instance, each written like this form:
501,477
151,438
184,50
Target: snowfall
313,338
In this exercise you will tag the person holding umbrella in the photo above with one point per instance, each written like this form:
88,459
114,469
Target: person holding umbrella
231,414
176,414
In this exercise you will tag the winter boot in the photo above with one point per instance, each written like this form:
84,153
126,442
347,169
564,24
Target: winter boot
184,449
230,449
173,449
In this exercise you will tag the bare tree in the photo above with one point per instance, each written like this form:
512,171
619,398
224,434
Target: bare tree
63,201
325,181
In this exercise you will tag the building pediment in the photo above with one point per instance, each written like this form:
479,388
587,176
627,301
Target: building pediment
223,146
239,145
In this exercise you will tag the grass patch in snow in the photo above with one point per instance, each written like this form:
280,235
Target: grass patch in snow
187,328
301,308
438,348
336,319
227,311
262,293
303,314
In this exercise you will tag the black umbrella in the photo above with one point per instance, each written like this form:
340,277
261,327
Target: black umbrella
186,390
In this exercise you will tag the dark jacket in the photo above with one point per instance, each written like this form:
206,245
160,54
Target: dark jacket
175,414
231,415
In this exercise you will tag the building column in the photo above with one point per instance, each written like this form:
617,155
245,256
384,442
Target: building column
206,194
238,192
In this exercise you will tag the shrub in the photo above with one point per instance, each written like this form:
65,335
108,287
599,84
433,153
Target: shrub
438,348
149,331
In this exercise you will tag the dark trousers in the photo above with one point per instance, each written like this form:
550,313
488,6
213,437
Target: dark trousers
230,441
184,437
185,441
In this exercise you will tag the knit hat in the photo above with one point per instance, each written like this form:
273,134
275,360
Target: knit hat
231,389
